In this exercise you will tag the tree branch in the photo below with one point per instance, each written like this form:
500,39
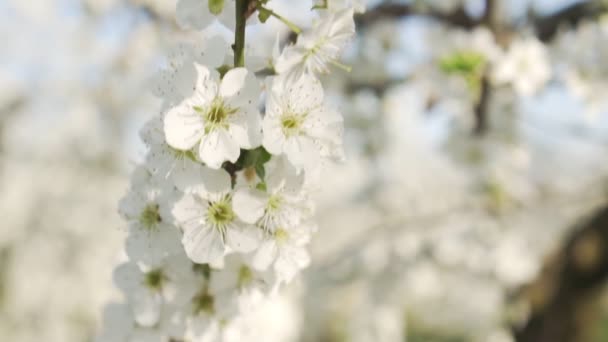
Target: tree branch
568,284
546,27
242,7
395,11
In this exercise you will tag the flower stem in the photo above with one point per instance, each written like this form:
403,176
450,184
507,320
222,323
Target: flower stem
285,21
239,33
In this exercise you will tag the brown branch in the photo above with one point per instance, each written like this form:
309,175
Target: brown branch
457,18
547,27
568,284
481,108
489,19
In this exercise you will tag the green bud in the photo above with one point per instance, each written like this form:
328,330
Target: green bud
216,6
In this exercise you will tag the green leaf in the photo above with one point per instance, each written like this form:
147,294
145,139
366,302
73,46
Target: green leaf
464,63
260,170
216,6
255,158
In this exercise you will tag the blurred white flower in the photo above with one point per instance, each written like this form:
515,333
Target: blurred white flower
525,66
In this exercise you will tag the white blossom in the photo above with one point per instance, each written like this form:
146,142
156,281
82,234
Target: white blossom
285,249
151,235
320,46
211,228
299,124
149,289
282,204
220,117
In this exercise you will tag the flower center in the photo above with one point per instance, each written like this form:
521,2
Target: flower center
215,115
245,276
154,279
220,213
203,302
291,124
274,202
150,216
281,235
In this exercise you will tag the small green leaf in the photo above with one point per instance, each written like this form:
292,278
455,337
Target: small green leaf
320,5
216,6
260,170
463,63
263,14
261,186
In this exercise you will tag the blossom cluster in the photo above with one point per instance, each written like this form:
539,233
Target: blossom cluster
219,213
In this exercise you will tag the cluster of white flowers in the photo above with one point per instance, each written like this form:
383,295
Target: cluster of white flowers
219,213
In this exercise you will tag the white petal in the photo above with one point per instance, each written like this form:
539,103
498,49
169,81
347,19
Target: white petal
183,126
273,138
249,204
302,152
240,88
290,262
247,132
288,60
265,255
306,94
218,147
244,238
202,180
233,82
203,245
146,305
284,174
150,246
206,83
190,212
214,52
127,277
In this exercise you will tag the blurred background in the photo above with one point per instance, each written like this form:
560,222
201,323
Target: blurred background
473,205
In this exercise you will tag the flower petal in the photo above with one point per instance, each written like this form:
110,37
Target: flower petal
218,147
233,82
244,238
152,246
203,245
190,212
202,180
265,255
249,204
183,126
146,305
273,138
247,131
